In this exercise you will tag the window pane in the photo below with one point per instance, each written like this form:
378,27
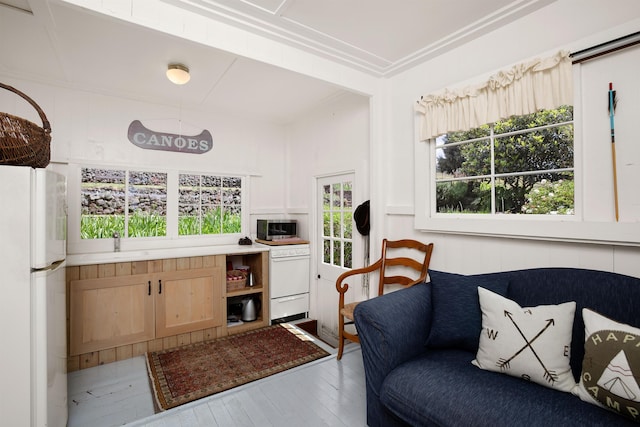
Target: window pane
102,203
326,244
326,224
347,205
231,191
346,195
337,196
231,194
551,194
348,225
468,159
326,197
214,205
529,121
335,225
231,219
211,196
189,205
211,219
147,194
337,253
544,149
466,196
348,255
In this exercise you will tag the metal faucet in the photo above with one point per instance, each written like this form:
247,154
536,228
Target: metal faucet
116,241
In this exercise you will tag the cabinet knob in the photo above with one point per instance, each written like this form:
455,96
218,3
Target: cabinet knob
159,286
149,288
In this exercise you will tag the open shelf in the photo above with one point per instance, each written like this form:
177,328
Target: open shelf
247,290
259,268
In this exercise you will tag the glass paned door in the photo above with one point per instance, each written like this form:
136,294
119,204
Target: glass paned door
334,207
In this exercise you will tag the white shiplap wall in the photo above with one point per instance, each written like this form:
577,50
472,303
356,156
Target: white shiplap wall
552,28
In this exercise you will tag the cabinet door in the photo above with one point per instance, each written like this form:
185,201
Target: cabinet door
188,300
110,312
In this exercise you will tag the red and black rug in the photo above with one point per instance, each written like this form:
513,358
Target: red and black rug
191,372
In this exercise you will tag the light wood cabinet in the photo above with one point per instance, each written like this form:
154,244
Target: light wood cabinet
115,311
125,309
189,300
110,312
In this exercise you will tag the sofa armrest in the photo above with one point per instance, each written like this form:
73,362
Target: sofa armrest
393,328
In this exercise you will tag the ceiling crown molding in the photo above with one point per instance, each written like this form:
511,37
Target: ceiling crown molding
271,22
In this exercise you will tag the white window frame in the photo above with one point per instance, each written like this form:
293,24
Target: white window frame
77,245
565,228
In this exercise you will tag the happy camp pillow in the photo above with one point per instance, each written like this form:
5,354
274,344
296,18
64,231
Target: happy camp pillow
610,375
456,320
533,343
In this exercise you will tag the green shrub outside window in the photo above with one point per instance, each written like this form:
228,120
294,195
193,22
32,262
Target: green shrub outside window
521,165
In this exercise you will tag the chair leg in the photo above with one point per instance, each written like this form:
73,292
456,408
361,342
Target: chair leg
340,336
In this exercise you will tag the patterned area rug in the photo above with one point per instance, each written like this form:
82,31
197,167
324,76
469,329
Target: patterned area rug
198,370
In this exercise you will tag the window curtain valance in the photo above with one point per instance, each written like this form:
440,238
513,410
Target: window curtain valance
523,89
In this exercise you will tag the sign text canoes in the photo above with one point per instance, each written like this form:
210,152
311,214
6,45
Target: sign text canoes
151,140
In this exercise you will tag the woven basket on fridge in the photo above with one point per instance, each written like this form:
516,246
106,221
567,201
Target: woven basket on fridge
24,143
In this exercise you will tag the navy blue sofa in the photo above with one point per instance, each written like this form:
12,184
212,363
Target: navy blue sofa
410,382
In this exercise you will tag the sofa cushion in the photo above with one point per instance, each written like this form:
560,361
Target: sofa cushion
611,294
442,387
611,366
529,342
456,319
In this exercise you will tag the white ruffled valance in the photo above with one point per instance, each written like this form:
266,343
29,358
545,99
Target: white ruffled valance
524,89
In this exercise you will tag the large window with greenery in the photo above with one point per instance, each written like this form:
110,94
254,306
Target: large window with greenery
520,165
129,203
133,204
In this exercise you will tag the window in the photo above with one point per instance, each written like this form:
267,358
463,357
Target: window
102,203
209,204
135,204
129,203
588,166
521,165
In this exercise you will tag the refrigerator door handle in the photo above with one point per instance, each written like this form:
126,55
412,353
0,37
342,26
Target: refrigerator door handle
51,266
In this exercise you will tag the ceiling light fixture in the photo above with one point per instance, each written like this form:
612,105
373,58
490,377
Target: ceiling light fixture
178,74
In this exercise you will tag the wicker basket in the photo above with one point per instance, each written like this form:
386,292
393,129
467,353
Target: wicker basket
236,280
23,143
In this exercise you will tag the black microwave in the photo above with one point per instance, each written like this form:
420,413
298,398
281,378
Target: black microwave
274,229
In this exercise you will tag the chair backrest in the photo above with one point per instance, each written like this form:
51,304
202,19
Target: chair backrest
406,256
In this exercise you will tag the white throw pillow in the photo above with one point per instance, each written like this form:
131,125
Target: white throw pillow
533,343
611,365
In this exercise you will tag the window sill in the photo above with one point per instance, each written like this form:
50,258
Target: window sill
549,229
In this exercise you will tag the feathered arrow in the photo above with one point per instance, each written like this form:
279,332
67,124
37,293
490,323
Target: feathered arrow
612,109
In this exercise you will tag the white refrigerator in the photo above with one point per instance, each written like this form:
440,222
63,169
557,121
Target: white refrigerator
33,359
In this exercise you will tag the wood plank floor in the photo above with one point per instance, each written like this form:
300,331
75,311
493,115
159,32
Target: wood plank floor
326,392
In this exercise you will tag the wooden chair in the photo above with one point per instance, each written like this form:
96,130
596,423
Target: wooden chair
417,264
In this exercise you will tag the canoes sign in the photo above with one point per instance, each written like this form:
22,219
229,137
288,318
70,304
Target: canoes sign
151,140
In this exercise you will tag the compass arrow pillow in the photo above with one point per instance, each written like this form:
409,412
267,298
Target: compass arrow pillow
532,343
611,365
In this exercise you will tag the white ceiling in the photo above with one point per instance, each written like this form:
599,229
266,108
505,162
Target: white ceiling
56,43
378,36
